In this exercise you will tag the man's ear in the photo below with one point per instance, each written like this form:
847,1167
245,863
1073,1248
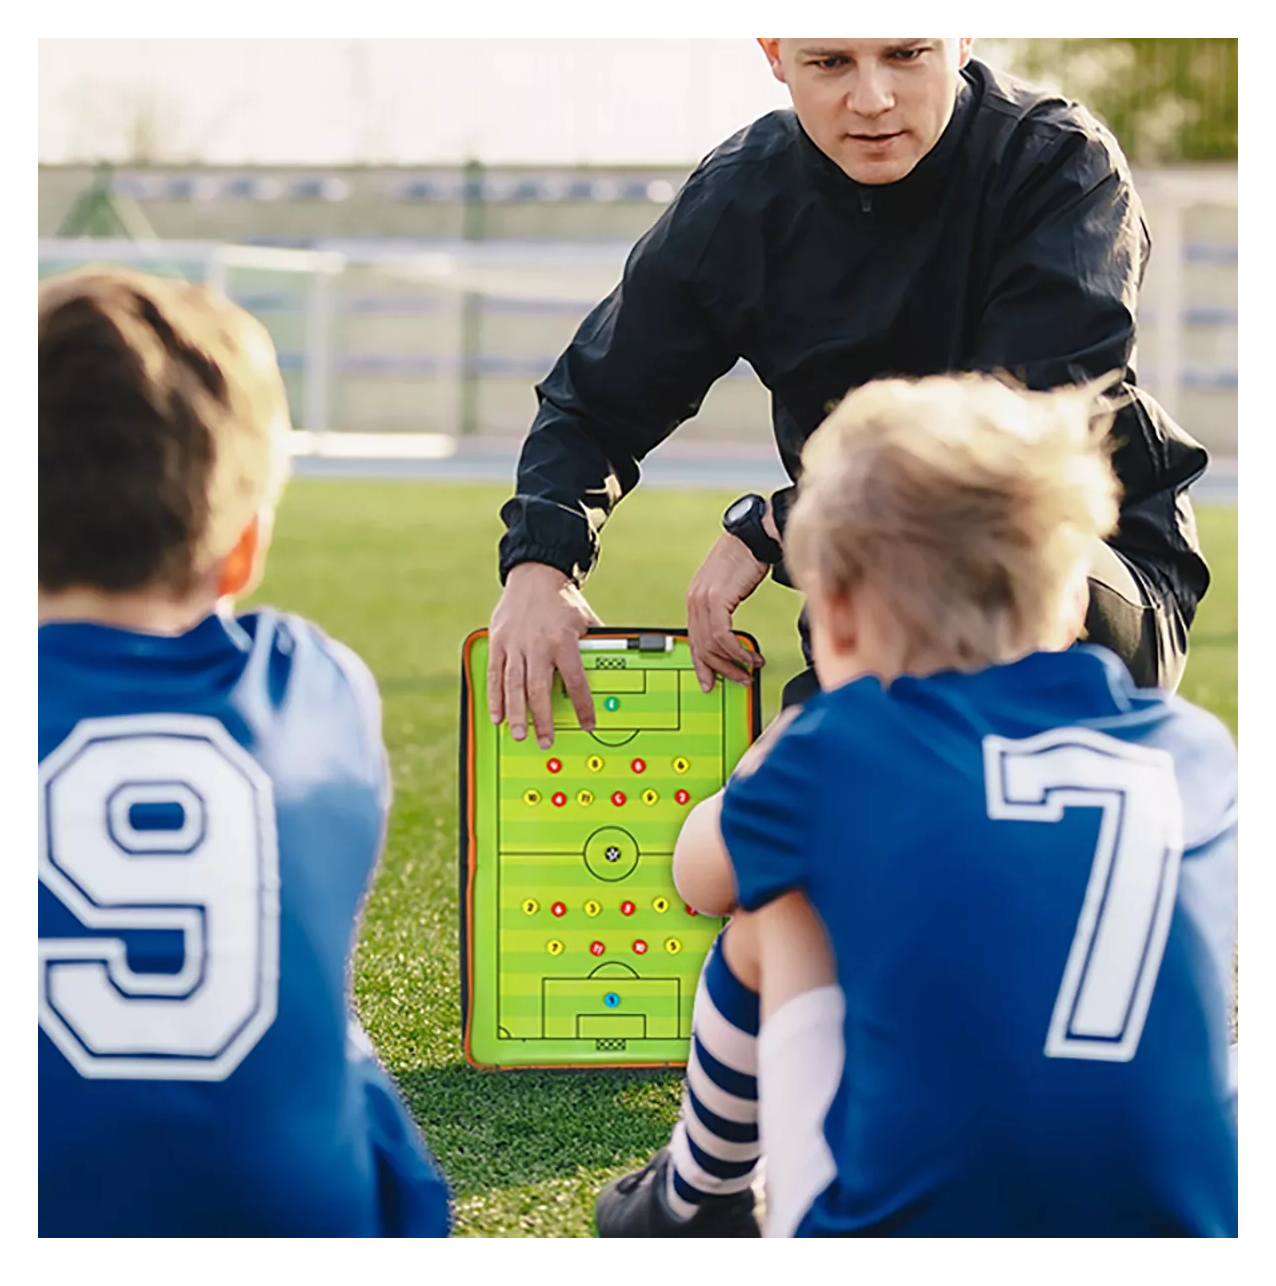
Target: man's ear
240,565
964,46
772,50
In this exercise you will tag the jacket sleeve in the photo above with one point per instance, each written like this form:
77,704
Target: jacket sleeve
1060,308
639,365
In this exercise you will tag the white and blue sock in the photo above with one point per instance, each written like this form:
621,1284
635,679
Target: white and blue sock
715,1147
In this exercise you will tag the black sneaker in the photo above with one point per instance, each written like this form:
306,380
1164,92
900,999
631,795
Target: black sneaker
634,1206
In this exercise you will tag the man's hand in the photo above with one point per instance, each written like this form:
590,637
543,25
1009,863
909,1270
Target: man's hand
535,630
728,575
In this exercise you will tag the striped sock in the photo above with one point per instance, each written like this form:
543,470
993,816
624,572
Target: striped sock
715,1143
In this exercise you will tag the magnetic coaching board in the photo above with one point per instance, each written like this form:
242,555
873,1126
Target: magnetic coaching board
576,949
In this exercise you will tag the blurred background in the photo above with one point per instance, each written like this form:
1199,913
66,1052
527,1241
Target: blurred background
422,224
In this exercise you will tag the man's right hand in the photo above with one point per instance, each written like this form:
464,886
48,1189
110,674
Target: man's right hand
535,630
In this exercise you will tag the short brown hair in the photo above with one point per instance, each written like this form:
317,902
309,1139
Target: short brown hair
160,428
971,506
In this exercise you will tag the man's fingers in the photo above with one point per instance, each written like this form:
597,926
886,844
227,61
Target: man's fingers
733,661
729,667
516,695
740,654
699,636
704,671
540,697
496,683
715,648
572,669
699,659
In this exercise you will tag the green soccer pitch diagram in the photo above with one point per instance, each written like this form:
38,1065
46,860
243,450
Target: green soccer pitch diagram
576,950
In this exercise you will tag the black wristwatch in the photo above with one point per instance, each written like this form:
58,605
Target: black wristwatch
743,519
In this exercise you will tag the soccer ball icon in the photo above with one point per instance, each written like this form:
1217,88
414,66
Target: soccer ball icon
612,854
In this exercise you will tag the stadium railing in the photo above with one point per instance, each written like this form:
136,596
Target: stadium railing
420,343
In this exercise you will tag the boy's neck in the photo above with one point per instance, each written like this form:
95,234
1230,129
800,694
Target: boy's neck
142,611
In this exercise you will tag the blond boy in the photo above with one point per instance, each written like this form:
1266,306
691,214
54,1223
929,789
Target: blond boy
983,886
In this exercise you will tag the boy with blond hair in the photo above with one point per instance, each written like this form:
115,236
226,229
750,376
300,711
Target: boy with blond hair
983,887
213,799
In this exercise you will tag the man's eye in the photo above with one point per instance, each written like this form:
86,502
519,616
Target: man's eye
828,64
907,55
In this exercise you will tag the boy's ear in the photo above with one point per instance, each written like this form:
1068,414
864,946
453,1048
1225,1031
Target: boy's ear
1076,610
841,619
240,564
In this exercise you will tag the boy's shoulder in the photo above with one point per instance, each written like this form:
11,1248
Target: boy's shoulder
268,675
1084,686
301,642
322,681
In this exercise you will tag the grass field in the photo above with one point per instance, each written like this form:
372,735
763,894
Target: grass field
402,572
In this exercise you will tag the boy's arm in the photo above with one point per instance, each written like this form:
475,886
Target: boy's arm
794,952
701,865
702,870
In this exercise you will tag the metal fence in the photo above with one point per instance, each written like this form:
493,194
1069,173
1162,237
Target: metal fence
448,337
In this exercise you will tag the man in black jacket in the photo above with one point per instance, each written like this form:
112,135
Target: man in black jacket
914,214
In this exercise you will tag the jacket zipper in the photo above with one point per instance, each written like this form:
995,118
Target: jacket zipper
866,203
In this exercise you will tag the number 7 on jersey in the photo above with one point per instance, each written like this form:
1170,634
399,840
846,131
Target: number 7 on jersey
1116,951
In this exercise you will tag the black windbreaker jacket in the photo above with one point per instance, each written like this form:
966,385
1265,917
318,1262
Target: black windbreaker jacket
1017,244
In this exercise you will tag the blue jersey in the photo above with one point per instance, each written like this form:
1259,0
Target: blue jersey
1028,877
212,806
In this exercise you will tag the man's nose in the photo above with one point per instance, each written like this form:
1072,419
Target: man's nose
871,93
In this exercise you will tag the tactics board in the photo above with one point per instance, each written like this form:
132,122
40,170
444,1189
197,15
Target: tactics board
576,950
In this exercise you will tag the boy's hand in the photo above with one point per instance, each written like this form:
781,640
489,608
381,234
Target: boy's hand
728,575
535,630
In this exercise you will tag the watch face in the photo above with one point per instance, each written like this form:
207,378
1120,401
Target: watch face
740,509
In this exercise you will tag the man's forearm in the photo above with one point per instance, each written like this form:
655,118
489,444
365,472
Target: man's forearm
541,531
567,486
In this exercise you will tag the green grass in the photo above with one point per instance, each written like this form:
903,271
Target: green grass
402,572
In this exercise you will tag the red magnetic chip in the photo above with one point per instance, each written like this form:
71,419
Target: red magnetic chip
555,765
639,765
596,948
692,911
626,908
558,909
618,798
681,796
559,799
640,947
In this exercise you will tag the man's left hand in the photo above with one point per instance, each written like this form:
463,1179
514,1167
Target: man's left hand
728,575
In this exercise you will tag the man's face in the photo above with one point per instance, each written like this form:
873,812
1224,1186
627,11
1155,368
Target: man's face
873,107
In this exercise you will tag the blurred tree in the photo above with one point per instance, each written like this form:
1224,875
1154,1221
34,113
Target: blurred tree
100,211
1166,100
